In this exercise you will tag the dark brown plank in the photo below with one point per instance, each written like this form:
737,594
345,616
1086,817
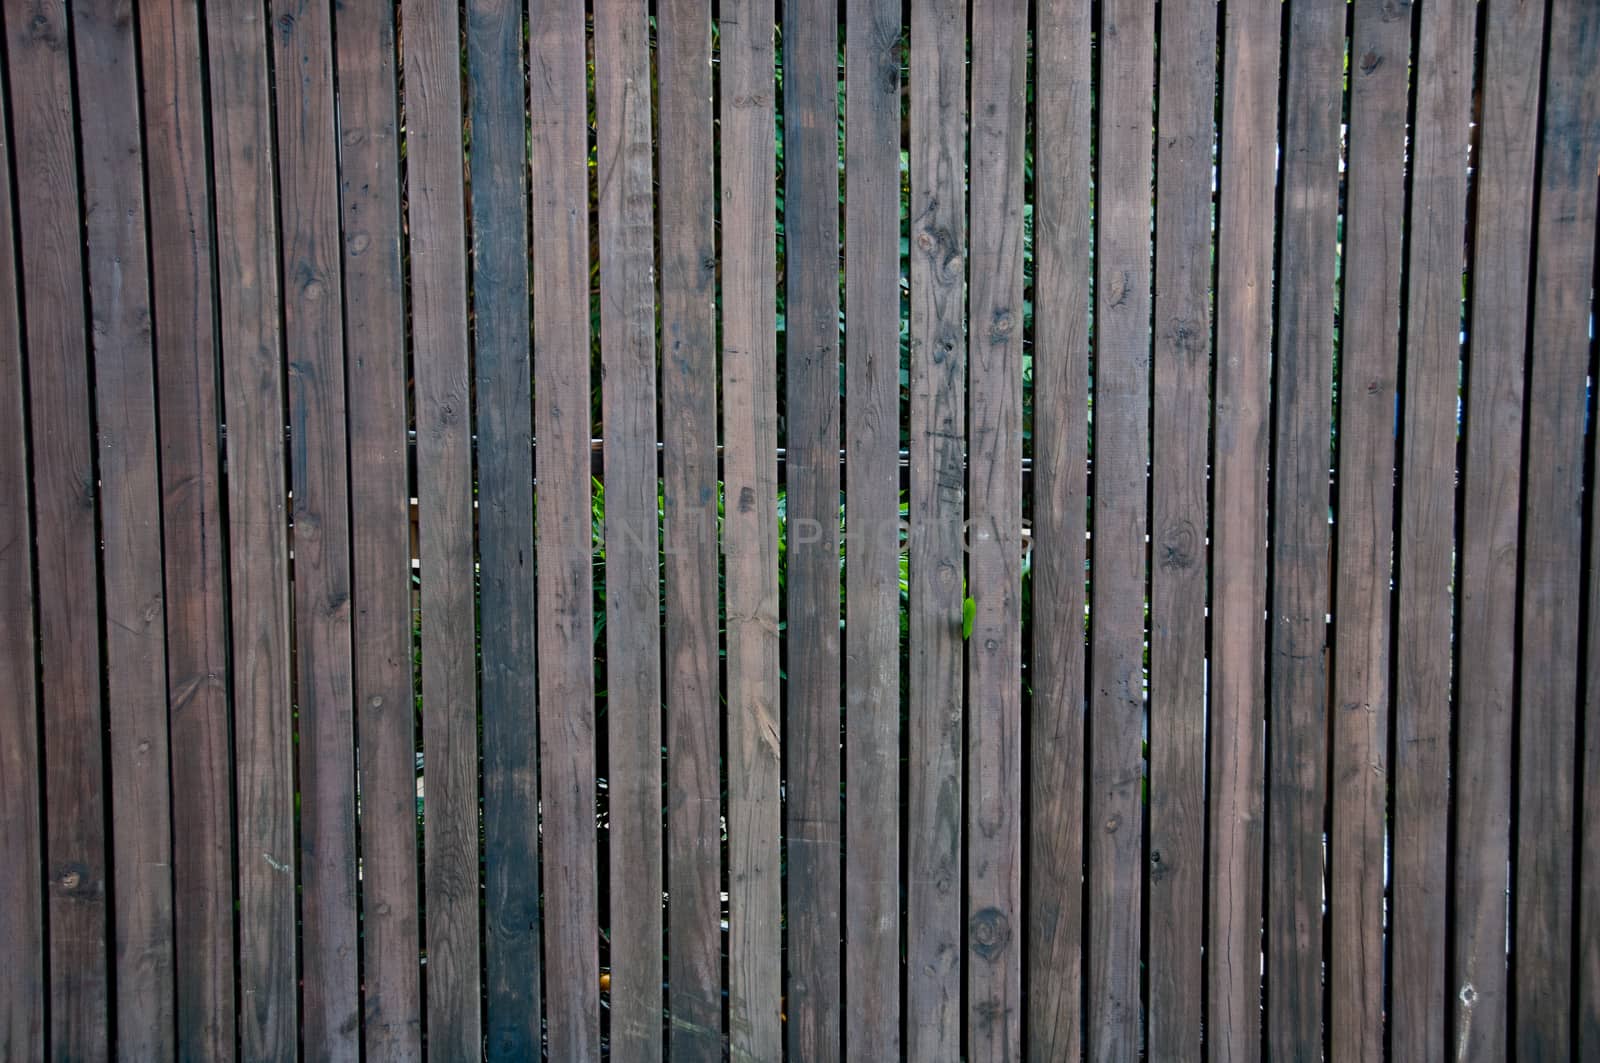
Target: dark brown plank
934,919
506,605
689,493
1359,766
1178,525
1552,534
432,78
1426,551
22,988
1486,694
811,233
750,530
314,348
566,599
130,525
994,539
380,530
65,491
1296,729
1061,235
1121,454
258,547
872,530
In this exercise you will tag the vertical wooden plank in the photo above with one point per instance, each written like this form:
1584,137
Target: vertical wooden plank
1121,454
432,72
1426,551
872,538
566,600
689,492
633,565
750,531
811,203
22,921
1247,174
1381,51
1178,525
380,524
1552,523
1062,233
258,548
130,501
994,540
314,349
937,511
505,524
65,492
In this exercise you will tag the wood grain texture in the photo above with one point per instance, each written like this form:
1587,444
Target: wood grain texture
22,921
432,79
1121,455
811,232
993,956
1178,526
1359,766
938,437
872,530
566,599
1297,722
632,536
1062,233
750,531
375,345
1247,173
1552,523
258,546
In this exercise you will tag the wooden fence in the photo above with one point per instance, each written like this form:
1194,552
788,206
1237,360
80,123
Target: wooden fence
939,635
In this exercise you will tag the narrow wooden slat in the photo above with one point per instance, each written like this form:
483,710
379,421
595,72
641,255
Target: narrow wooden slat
566,599
380,530
633,566
937,509
872,536
1426,551
811,233
1062,234
65,493
750,531
505,525
993,957
22,920
1178,526
1552,534
1381,47
689,493
431,65
130,519
258,547
1297,753
1121,453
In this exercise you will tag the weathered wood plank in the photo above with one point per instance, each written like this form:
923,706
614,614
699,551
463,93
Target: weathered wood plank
811,204
431,68
1552,536
937,510
1178,526
258,547
872,529
1297,724
566,598
1062,233
750,532
375,345
1121,456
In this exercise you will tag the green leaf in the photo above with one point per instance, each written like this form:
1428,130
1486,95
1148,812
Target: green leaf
969,609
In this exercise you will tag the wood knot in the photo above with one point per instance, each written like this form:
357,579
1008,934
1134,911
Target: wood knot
989,931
